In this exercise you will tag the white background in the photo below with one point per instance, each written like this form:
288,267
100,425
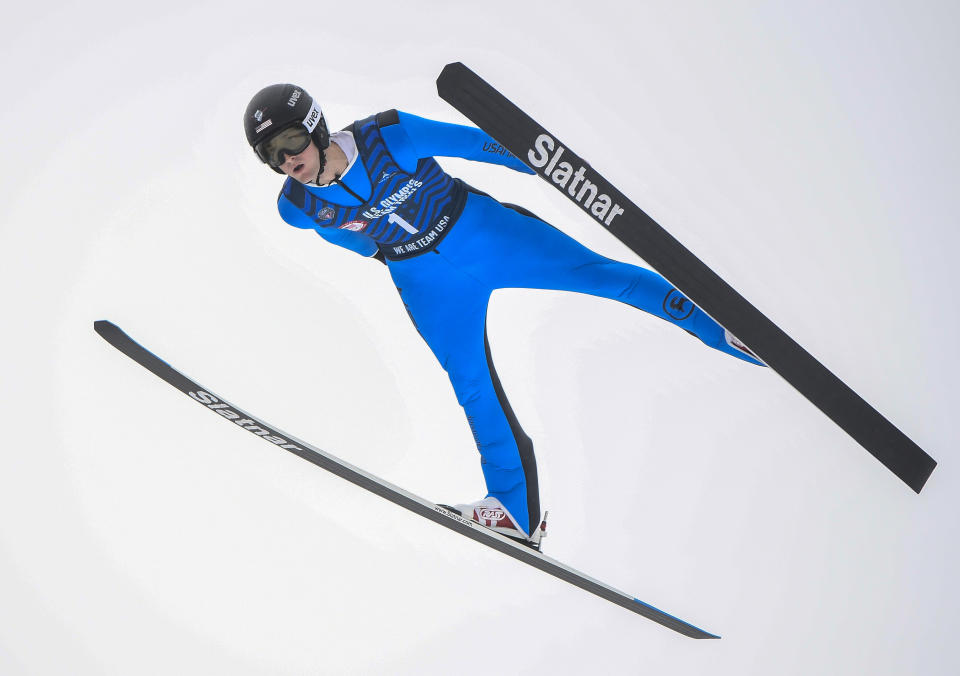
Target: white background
805,151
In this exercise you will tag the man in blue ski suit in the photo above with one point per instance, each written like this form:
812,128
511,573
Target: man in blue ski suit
376,189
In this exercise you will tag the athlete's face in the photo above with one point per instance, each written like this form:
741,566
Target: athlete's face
304,166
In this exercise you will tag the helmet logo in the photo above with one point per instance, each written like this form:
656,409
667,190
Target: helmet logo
258,116
261,127
294,97
313,117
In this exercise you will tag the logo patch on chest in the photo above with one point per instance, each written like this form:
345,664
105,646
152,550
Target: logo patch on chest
326,213
354,226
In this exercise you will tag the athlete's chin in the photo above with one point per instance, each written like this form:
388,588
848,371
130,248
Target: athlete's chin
299,172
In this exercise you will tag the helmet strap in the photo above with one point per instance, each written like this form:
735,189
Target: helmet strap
323,163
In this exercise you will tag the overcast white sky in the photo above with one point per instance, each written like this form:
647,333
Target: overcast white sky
807,153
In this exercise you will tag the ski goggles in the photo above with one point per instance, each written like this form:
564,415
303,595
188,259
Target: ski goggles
287,142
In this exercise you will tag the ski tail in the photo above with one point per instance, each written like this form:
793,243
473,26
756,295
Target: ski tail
448,519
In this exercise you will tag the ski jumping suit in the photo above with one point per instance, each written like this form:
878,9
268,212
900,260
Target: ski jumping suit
448,247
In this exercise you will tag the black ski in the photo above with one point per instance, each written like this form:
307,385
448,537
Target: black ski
120,340
578,181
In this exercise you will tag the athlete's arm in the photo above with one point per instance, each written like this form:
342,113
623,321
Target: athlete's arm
416,137
354,241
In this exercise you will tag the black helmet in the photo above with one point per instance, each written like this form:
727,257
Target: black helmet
279,107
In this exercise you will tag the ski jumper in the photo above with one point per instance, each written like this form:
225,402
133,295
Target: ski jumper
448,246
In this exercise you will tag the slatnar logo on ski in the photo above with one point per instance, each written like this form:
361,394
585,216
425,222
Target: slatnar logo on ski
223,409
598,204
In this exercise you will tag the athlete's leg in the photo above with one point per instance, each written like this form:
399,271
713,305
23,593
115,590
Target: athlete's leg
533,254
449,310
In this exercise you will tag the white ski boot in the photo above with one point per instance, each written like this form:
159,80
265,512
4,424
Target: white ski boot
491,514
737,344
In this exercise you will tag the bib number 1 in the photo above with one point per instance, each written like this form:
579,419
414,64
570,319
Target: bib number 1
397,220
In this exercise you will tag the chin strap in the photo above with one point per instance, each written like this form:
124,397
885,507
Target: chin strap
336,179
323,164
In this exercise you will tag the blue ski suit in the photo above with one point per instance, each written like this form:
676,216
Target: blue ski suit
448,246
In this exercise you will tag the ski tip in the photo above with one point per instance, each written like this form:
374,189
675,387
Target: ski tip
104,327
110,332
450,73
453,66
